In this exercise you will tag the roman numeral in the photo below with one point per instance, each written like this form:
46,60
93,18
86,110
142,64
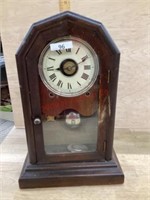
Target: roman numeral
53,77
60,83
51,58
50,68
77,50
69,86
68,50
85,76
84,58
79,83
87,67
59,52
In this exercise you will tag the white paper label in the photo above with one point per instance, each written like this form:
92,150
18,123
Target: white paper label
61,46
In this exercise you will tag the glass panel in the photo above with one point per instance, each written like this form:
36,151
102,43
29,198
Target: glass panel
70,133
69,91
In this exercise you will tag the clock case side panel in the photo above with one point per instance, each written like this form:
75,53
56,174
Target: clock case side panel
25,90
109,91
112,100
110,58
26,104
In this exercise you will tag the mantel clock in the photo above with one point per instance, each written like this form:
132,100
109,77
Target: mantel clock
68,71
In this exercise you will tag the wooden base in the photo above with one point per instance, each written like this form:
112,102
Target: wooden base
71,174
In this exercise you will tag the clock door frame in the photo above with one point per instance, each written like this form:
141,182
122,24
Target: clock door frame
39,35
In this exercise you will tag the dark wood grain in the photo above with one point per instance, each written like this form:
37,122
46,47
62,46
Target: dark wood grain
85,104
71,174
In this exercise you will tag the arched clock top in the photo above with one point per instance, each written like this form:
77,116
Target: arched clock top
67,23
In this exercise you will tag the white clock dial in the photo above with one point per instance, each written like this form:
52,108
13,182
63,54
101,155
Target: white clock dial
67,71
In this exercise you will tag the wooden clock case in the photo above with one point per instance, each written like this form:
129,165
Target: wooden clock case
92,168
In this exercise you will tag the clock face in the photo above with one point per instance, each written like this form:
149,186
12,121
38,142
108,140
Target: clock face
68,66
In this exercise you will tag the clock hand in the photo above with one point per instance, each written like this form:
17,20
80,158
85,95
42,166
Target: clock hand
69,68
83,59
59,69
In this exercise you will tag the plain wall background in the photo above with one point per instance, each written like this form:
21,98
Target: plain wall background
127,21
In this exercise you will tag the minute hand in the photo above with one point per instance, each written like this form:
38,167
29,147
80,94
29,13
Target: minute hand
83,59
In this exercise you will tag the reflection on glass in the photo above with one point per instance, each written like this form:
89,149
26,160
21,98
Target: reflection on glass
70,133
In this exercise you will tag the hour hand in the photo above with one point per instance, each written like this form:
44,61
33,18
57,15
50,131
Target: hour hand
58,69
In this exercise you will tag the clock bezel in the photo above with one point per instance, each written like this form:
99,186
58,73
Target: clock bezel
93,79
